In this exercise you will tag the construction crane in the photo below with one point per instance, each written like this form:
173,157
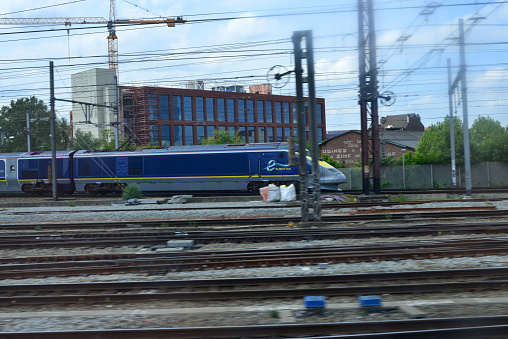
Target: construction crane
111,24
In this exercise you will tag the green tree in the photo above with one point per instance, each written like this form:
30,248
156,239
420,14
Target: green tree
331,161
488,140
86,140
434,145
13,132
222,136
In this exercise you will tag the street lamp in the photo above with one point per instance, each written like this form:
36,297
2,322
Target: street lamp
403,169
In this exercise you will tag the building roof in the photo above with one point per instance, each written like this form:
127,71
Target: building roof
401,138
404,122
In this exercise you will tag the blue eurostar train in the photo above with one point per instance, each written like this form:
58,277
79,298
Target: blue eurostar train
200,168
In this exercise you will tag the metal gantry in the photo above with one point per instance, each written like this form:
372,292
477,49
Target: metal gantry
312,202
368,99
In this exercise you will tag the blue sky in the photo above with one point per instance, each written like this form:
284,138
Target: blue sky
237,42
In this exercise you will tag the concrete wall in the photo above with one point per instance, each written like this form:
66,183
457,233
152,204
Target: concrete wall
95,86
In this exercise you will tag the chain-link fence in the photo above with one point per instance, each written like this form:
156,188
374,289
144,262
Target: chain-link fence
484,174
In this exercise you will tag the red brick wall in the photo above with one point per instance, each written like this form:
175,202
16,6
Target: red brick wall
347,148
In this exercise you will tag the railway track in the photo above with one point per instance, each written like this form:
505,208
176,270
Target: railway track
378,214
418,282
158,236
162,263
444,328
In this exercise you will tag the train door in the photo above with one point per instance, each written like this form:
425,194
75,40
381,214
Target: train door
11,175
254,165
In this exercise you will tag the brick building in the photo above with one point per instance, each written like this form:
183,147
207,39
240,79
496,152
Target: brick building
346,146
177,116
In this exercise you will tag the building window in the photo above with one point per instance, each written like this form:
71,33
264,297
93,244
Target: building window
231,110
241,133
189,135
178,135
241,110
188,108
154,134
200,133
177,107
261,111
251,134
164,107
166,136
152,99
320,134
278,112
279,134
269,133
153,117
287,133
287,113
269,111
221,109
232,131
250,110
209,131
319,113
210,109
261,134
200,109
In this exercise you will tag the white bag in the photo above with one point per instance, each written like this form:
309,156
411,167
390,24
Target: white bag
288,193
270,193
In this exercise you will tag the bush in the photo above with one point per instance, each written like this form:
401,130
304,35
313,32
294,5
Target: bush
131,191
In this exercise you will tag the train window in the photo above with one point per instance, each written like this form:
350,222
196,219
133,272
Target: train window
281,155
13,168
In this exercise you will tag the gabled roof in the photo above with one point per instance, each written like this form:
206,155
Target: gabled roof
400,138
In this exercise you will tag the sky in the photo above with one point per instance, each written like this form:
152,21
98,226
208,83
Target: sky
231,42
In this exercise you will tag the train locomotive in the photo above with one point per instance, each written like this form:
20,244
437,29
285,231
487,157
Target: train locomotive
193,168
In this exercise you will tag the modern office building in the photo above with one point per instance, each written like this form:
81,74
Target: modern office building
185,116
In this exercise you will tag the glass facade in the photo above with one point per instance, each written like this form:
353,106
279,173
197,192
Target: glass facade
250,111
189,135
166,136
278,112
200,109
221,109
178,136
200,133
188,108
210,109
164,107
186,117
231,110
241,110
269,111
177,107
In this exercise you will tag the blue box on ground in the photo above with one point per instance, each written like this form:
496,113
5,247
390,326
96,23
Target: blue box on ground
369,300
319,301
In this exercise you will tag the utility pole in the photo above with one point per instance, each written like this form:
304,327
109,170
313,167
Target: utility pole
28,136
315,200
368,99
54,183
452,125
461,77
116,112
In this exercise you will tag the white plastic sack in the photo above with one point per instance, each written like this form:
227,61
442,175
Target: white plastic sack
270,193
288,193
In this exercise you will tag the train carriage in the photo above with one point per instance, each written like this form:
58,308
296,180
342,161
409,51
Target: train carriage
31,172
192,168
